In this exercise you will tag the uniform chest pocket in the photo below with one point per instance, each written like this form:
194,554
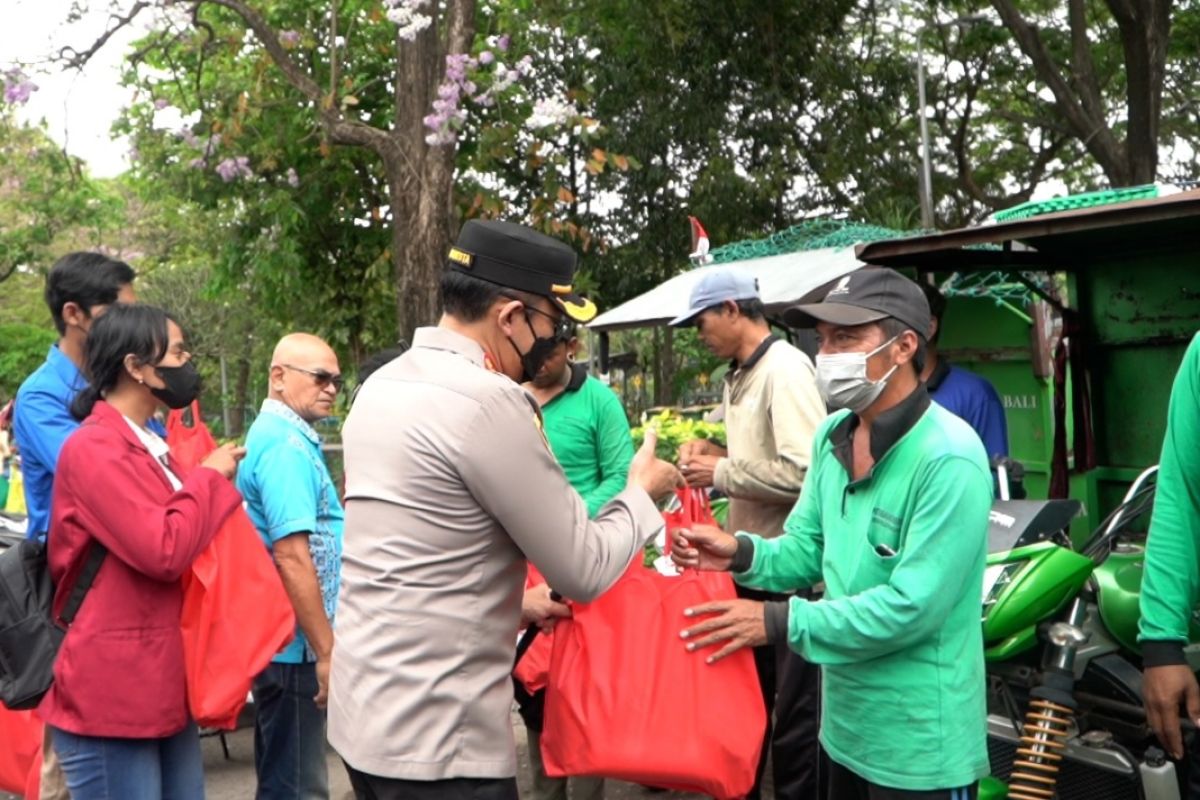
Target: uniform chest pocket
884,535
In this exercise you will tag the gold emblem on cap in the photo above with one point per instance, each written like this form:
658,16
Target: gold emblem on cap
460,256
558,288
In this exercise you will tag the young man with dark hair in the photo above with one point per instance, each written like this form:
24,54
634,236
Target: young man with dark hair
771,409
451,489
963,393
893,518
79,288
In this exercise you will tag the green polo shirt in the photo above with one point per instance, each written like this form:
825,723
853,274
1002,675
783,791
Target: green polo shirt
898,632
589,435
1171,586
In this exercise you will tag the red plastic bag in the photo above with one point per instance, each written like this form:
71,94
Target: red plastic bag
189,445
20,752
236,613
533,669
694,509
625,699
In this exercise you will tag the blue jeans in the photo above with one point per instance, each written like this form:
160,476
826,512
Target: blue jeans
289,734
102,768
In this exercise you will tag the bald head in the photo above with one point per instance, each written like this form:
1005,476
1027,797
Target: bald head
305,375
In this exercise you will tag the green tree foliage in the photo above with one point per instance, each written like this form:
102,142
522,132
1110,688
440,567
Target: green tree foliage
47,201
22,349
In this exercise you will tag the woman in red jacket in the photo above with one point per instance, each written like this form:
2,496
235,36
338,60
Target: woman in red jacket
117,710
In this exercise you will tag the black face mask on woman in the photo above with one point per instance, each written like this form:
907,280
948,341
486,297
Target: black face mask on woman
182,385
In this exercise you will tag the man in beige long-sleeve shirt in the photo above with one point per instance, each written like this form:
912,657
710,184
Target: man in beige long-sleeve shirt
450,487
772,410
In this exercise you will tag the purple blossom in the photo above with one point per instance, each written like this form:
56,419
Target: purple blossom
18,87
486,57
289,38
196,163
503,42
293,180
189,138
160,104
233,168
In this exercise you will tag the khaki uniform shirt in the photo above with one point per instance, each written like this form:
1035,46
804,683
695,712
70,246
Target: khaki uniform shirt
772,410
450,487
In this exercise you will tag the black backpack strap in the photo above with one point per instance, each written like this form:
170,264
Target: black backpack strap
95,558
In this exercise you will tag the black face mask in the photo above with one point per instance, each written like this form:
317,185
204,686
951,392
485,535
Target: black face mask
182,385
533,358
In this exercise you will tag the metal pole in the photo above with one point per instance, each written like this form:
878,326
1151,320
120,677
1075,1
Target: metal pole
926,182
224,397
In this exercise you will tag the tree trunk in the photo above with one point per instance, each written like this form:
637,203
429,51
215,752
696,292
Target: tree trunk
420,176
1145,31
664,366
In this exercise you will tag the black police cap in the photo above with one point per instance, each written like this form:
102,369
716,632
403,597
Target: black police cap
519,257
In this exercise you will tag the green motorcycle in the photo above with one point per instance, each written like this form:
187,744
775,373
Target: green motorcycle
1066,715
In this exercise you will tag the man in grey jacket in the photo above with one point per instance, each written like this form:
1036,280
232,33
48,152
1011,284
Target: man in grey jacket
772,409
450,487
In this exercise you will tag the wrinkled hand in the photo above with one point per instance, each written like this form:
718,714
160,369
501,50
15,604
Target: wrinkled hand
699,471
740,623
322,682
225,459
657,477
1166,689
704,547
539,608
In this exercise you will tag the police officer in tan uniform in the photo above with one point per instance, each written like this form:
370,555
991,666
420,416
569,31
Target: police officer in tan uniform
450,488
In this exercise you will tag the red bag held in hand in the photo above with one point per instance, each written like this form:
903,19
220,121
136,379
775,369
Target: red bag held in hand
694,509
533,668
626,700
236,613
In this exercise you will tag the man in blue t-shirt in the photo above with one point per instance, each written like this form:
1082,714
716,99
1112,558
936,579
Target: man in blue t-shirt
79,288
294,504
968,396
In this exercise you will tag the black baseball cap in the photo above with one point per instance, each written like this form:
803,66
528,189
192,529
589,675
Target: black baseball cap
519,257
864,296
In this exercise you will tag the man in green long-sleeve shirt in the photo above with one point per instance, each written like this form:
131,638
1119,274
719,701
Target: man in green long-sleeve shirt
1171,585
893,517
589,435
585,425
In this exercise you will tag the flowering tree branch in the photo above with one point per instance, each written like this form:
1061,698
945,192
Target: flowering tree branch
78,60
341,130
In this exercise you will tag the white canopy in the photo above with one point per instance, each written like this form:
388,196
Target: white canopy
782,281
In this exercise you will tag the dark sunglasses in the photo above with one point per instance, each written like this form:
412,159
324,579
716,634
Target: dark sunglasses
321,377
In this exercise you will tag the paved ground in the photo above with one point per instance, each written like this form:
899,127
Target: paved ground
233,779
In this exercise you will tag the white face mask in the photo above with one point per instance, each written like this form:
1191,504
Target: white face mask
842,379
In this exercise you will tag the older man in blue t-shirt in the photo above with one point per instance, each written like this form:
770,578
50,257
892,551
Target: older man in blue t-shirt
968,396
294,504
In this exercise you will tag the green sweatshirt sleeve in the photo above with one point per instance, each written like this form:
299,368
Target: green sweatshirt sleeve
944,550
1171,584
614,447
791,561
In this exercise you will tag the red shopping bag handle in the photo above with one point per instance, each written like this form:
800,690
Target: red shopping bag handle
694,506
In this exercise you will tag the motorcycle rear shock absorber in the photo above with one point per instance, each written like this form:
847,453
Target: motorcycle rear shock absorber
1043,740
1051,715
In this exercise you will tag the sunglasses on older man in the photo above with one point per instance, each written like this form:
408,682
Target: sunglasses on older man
322,377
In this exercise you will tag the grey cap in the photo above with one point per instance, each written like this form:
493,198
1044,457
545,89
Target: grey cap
715,287
867,295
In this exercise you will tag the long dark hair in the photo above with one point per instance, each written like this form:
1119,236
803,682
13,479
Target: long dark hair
122,330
